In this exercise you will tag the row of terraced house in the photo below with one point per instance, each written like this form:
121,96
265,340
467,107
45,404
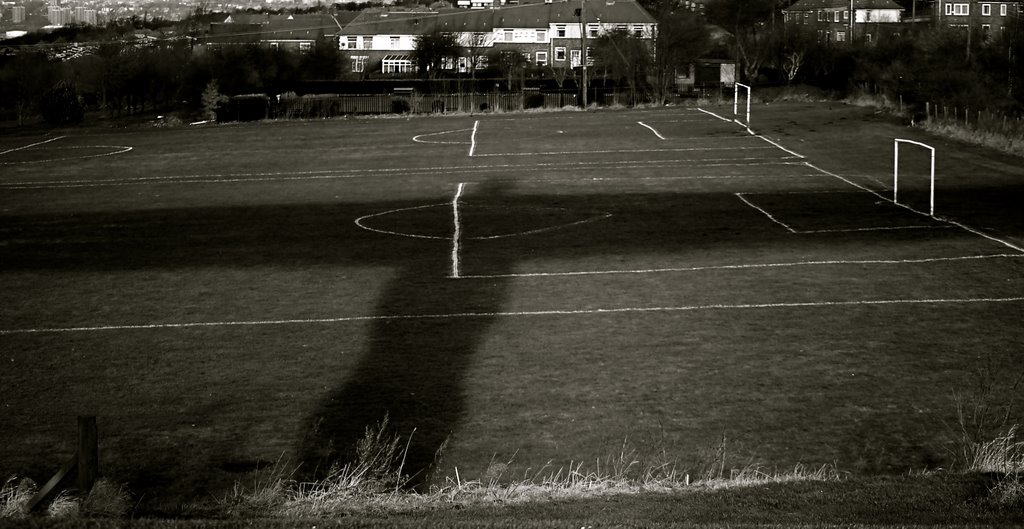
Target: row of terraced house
550,33
547,34
870,20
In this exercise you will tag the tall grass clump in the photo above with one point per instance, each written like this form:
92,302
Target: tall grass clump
374,481
14,497
374,474
985,436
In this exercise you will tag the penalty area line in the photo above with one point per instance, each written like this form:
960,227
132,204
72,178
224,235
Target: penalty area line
554,312
750,266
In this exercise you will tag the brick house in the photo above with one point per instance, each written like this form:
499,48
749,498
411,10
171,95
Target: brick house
984,18
830,19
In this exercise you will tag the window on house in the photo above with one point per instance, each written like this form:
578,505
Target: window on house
590,56
275,45
560,30
835,16
395,64
867,37
575,58
463,64
986,32
949,9
1002,10
840,36
542,35
359,63
986,10
638,31
846,15
961,9
821,16
352,43
305,46
394,43
592,31
542,58
559,53
508,35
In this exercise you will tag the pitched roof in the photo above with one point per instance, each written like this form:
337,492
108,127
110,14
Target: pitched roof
809,5
299,27
252,28
379,22
522,16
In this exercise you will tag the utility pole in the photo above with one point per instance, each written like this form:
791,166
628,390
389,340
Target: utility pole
583,51
853,15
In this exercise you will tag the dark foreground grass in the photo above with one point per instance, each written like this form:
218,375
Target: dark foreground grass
948,500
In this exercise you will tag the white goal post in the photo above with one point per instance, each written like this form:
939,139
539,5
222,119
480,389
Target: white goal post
896,172
736,103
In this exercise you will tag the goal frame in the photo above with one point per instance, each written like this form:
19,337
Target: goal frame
896,172
736,104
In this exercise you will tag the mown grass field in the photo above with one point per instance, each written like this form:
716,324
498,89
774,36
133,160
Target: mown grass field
225,297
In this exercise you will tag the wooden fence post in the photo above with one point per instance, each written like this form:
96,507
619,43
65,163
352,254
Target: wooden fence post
88,454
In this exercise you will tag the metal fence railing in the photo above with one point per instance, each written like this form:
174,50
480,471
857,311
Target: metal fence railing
316,106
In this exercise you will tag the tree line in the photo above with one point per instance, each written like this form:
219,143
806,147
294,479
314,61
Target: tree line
118,75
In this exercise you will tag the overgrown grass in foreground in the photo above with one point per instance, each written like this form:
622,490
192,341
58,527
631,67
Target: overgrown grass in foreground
374,482
105,500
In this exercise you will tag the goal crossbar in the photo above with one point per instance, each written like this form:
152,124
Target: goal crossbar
896,172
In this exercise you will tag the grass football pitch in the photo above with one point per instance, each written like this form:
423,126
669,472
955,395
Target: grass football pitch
533,287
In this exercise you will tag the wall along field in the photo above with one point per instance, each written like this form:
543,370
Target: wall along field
528,287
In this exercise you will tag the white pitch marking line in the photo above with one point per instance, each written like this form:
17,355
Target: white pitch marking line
747,266
656,133
31,145
624,151
715,115
418,140
798,155
742,196
923,214
370,173
359,222
877,228
121,150
555,312
457,231
472,138
765,213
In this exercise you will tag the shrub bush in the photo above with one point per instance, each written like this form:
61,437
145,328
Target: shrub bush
61,105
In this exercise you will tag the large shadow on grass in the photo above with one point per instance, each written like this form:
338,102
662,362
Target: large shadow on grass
413,369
